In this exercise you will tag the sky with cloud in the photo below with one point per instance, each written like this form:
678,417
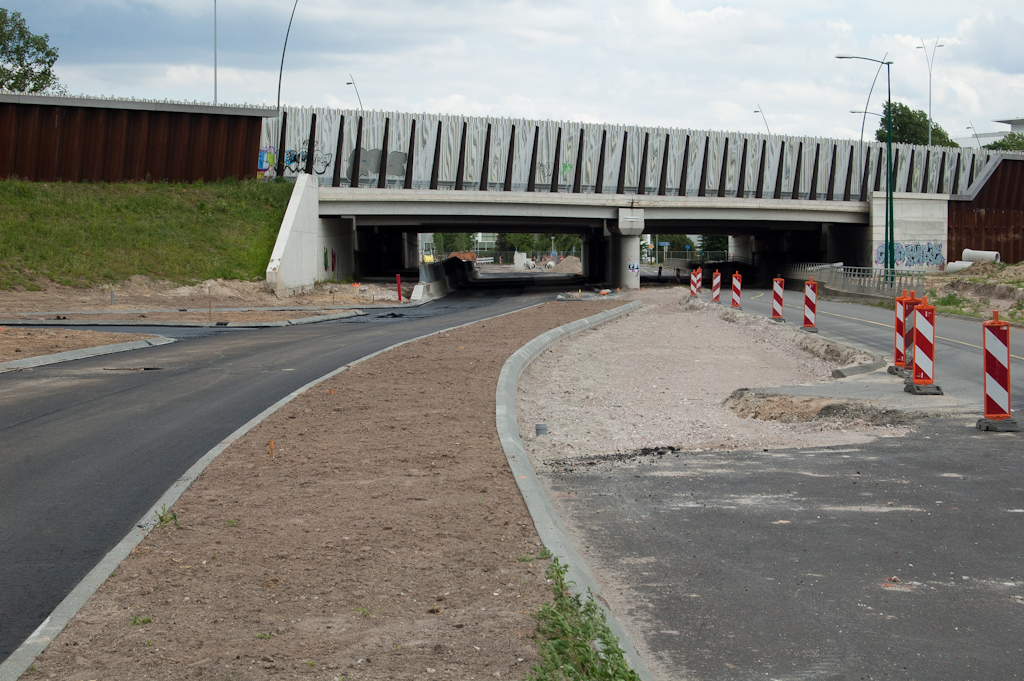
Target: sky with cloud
653,62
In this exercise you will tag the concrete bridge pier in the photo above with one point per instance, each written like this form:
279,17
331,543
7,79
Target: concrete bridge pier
624,251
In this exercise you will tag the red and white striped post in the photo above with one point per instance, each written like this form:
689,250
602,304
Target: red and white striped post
700,279
922,382
716,287
737,289
778,286
693,284
897,341
909,322
996,349
810,305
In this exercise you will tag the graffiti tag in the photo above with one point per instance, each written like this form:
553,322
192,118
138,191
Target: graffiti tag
913,255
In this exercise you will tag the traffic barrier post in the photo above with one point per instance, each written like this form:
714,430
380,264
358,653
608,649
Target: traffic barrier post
737,289
716,287
922,381
910,303
996,350
897,341
778,286
398,281
700,279
810,305
693,283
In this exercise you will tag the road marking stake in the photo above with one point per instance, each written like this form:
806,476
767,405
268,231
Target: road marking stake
810,305
270,448
693,283
737,289
922,381
716,287
700,279
778,286
996,350
398,281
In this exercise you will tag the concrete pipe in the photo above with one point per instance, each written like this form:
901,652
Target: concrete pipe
957,265
970,255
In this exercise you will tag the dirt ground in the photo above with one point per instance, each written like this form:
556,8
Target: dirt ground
984,287
385,539
166,300
21,343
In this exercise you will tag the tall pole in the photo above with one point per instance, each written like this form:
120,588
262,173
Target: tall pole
215,52
930,60
283,49
890,237
761,111
976,138
864,118
352,82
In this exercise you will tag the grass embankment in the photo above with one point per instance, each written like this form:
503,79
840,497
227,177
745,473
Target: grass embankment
88,234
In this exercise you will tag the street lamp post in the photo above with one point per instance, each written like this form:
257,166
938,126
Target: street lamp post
976,138
930,60
281,72
890,226
215,52
761,111
352,82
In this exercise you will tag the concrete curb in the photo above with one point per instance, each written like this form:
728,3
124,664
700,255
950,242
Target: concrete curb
877,362
22,658
43,360
549,526
199,325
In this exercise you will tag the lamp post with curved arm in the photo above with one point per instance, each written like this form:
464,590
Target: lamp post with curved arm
890,227
281,72
931,60
761,111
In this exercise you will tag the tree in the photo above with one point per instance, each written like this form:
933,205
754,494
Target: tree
26,59
910,126
1013,141
714,243
453,242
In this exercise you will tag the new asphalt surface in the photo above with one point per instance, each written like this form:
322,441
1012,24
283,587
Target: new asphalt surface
92,444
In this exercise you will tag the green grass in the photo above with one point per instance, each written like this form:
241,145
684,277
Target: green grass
87,234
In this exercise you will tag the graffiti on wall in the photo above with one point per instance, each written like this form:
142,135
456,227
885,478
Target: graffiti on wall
914,255
267,163
295,159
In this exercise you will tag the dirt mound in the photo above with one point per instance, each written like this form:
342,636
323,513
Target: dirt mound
570,265
746,404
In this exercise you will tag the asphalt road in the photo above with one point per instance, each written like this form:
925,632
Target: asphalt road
90,445
899,559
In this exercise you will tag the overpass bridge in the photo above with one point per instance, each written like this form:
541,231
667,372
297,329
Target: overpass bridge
367,184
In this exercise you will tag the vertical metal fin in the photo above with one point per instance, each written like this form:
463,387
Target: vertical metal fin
461,168
849,177
556,163
663,181
956,176
831,187
485,170
281,147
338,151
796,170
578,179
759,192
531,183
357,154
924,175
910,173
812,193
778,175
511,156
741,183
382,172
866,180
941,184
410,157
641,187
437,158
599,185
310,146
621,188
702,189
725,168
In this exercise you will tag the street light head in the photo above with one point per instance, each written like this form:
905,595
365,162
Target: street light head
845,56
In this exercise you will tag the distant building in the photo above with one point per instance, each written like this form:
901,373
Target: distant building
1016,125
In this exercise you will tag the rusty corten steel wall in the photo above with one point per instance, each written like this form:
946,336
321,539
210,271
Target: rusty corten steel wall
994,220
87,144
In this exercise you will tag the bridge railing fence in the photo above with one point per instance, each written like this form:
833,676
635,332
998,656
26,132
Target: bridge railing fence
863,280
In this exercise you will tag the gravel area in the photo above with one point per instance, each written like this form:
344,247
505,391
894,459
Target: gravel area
662,377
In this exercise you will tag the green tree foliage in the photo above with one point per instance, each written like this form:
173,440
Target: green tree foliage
515,242
26,59
451,242
528,243
910,126
1014,141
714,243
676,242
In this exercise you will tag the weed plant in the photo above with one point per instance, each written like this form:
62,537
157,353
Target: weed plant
85,234
576,641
